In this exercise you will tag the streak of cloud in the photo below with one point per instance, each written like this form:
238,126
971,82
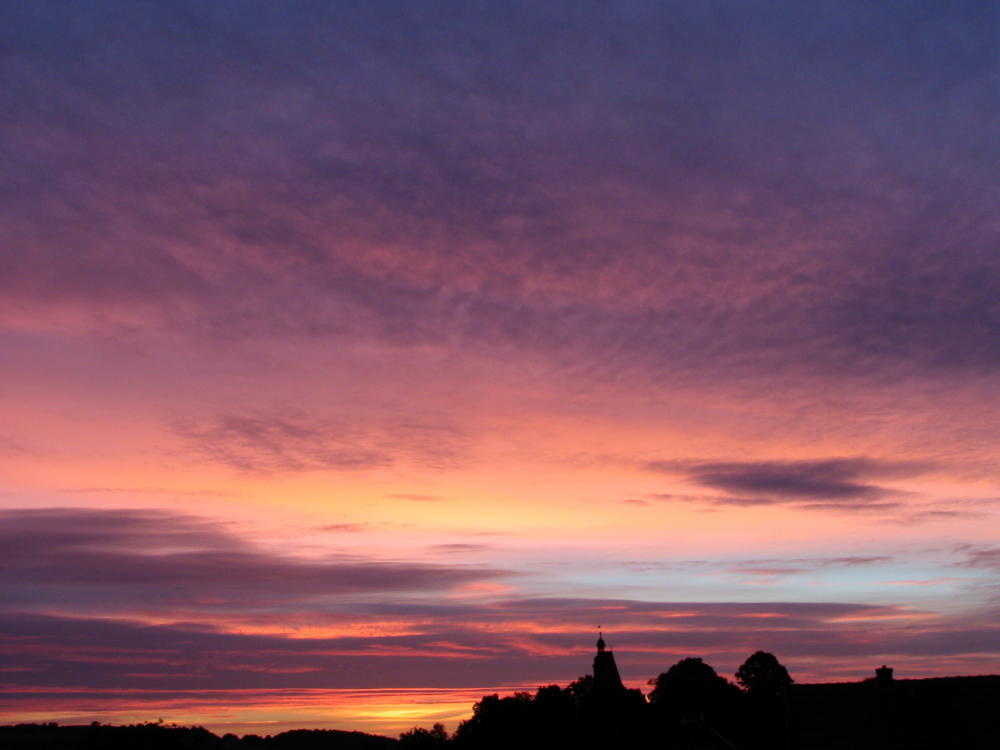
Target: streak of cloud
118,560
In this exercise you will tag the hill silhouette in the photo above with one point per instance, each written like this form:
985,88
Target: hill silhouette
159,737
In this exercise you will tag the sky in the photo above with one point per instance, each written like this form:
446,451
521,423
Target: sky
358,359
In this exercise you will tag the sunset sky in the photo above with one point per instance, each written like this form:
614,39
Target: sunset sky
361,358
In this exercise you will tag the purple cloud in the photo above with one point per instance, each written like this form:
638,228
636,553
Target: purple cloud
450,651
93,565
104,561
474,183
830,484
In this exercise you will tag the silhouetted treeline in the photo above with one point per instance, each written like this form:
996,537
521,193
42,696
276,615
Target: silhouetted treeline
691,707
161,737
575,716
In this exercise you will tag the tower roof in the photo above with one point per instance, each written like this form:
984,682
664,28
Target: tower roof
606,677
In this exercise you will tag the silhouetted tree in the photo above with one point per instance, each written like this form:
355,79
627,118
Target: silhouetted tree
577,716
690,702
497,722
762,674
691,689
581,687
424,739
765,722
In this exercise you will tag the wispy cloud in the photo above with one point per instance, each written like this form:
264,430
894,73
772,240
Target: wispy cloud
344,528
11,447
459,547
294,441
278,443
981,557
147,491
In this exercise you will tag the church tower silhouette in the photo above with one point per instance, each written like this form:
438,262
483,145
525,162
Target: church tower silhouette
606,677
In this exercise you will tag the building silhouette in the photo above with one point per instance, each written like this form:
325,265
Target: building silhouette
606,677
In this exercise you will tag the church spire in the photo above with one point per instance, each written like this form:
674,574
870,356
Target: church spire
606,677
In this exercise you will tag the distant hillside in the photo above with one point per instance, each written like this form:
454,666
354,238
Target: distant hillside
158,737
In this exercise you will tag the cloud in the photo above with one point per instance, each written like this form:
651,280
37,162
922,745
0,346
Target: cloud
476,642
146,491
981,557
113,561
830,484
652,565
680,202
11,447
944,510
294,441
942,581
29,531
277,443
769,572
459,547
775,568
719,500
344,528
854,560
760,566
799,479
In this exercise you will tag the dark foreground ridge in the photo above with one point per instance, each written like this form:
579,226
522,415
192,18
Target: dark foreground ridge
160,737
690,707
